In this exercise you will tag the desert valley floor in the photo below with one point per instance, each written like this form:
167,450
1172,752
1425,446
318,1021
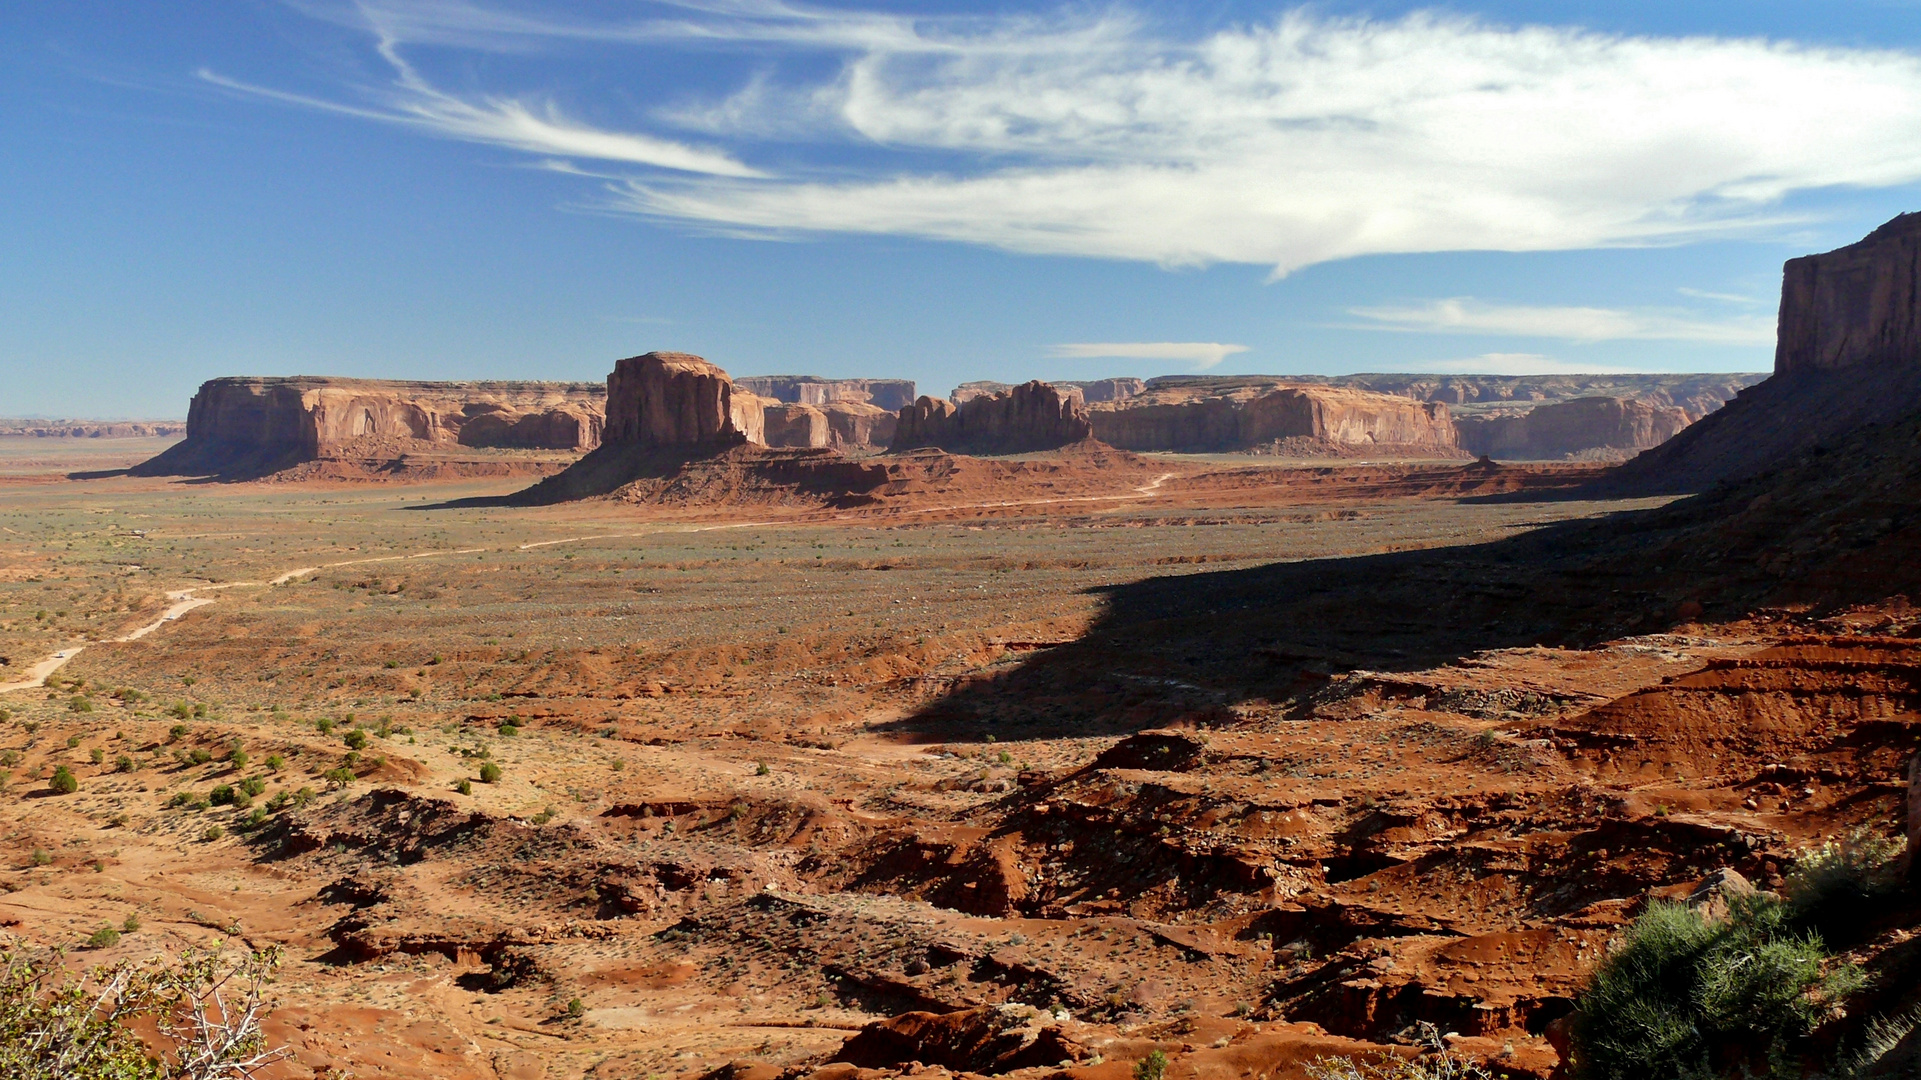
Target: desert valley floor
1247,762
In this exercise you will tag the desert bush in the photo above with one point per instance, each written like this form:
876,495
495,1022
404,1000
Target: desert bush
1682,995
252,785
214,832
576,1009
39,857
489,773
177,732
338,777
104,938
73,742
123,763
180,710
275,762
130,925
465,787
199,756
96,755
202,1011
1151,1067
324,726
1836,889
80,704
222,795
356,739
238,758
64,781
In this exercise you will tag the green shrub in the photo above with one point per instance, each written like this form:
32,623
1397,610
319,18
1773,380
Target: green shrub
123,763
40,857
324,726
489,773
214,832
1837,889
238,758
199,756
252,785
104,938
356,739
465,787
222,795
131,925
509,729
176,732
181,711
338,777
576,1009
64,781
96,755
275,762
73,742
80,704
1151,1067
1680,995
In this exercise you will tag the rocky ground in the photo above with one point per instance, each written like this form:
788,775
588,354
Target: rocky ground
1027,770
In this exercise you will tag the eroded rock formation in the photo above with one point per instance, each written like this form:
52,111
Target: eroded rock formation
92,429
850,425
1032,416
1860,304
1247,416
1582,427
674,399
241,424
1848,356
889,395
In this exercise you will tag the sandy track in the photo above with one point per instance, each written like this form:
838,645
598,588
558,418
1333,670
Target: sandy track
184,601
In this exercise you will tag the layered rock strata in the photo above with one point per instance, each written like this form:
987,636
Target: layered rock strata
1582,427
675,399
890,395
243,424
1860,304
1248,417
848,425
1030,417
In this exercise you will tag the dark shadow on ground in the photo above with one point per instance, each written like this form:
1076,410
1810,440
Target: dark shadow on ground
1835,526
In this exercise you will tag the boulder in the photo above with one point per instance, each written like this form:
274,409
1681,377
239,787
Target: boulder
1032,416
890,395
247,424
1572,428
663,399
989,1039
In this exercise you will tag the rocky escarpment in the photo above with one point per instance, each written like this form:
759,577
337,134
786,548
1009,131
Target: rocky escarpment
840,424
242,425
662,399
1584,427
92,429
890,395
1246,416
1848,356
1092,390
1030,417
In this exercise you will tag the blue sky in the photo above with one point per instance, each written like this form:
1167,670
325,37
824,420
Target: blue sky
946,192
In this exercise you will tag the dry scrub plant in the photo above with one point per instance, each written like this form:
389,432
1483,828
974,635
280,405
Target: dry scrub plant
1440,1063
204,1009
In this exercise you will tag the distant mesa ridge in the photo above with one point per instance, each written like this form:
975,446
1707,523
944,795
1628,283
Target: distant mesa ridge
1030,417
889,394
255,425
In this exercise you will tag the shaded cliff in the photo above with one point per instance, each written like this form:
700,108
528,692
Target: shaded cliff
1029,417
241,426
1848,357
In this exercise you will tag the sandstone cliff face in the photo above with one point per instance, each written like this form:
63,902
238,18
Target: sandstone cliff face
1848,356
1098,390
796,426
675,399
1860,304
889,395
849,425
1032,416
1249,416
1584,426
239,424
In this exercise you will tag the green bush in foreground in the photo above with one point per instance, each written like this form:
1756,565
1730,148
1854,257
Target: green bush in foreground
203,1010
64,781
489,773
1681,995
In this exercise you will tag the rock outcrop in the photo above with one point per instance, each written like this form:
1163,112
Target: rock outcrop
661,399
240,425
889,395
1246,417
1860,304
1030,417
1584,427
1848,356
849,425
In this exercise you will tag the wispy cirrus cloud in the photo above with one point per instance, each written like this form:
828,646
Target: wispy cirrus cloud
1202,354
1465,315
1101,133
1522,364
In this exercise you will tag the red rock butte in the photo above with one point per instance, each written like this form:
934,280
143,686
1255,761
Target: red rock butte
258,424
1031,417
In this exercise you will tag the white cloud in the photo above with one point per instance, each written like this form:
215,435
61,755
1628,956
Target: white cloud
1464,315
1288,143
1201,354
